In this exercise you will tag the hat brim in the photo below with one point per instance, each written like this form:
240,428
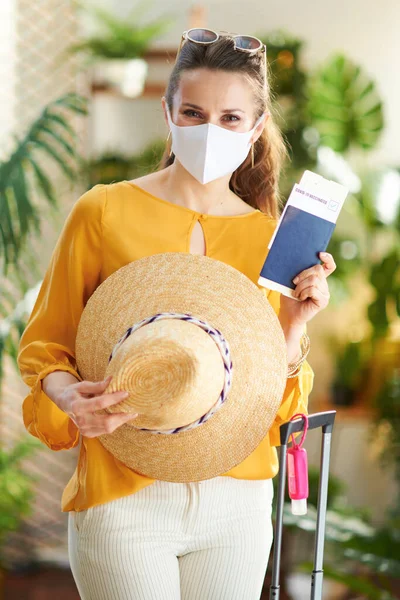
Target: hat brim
231,302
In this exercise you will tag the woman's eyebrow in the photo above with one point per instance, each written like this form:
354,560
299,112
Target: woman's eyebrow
226,110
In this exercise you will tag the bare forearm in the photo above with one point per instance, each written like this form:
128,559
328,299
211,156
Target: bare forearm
55,382
292,335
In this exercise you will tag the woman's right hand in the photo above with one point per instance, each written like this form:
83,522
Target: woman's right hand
80,401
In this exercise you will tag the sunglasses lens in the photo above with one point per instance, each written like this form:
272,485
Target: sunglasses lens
247,42
204,36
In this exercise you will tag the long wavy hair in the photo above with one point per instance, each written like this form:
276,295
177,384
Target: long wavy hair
257,186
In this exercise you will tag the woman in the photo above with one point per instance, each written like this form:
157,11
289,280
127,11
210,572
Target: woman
131,536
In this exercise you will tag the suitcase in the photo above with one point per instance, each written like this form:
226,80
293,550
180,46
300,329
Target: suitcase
324,420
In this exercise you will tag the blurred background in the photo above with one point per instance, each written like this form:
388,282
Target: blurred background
81,85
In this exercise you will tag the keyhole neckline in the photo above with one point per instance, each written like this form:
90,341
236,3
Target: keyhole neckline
190,210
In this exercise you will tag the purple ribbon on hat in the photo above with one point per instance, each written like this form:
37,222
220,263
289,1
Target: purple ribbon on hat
222,345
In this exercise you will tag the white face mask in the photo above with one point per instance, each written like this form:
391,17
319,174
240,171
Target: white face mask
208,151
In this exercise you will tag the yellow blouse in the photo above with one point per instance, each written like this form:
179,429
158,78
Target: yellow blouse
108,227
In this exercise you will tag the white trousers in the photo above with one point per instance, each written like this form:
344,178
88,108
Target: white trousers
189,541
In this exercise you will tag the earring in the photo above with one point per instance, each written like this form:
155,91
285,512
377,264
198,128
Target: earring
170,152
252,156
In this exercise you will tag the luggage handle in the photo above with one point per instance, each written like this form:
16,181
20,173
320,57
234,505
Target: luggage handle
324,420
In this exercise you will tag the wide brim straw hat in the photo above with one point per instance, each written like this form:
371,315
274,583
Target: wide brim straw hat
202,354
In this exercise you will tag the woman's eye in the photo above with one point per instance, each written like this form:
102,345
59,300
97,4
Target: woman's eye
195,114
232,118
191,113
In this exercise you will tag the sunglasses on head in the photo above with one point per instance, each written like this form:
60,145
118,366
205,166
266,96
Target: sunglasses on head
243,43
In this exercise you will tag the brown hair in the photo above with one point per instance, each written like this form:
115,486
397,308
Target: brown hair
257,186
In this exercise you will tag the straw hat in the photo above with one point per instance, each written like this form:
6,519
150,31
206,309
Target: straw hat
202,354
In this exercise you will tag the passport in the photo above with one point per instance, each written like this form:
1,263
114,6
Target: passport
304,230
300,238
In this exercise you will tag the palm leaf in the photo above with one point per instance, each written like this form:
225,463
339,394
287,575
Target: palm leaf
43,183
72,101
2,352
62,123
52,152
18,215
27,213
344,105
19,176
55,136
8,237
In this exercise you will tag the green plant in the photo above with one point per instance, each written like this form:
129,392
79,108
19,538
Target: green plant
149,159
121,38
384,277
16,492
346,109
367,562
288,83
324,114
344,105
387,418
48,138
22,178
108,168
357,554
113,166
348,255
351,362
289,105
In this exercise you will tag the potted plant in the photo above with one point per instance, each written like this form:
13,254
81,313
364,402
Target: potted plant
16,493
116,53
113,166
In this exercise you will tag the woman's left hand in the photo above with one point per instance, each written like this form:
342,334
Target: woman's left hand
311,289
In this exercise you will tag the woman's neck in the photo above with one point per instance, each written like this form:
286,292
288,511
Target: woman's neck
182,188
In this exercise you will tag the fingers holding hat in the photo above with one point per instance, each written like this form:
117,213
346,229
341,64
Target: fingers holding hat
108,423
87,398
93,387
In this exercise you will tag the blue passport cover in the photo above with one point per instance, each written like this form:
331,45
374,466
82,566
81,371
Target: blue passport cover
301,236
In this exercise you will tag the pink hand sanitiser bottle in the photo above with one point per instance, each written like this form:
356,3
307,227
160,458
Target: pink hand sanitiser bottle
297,469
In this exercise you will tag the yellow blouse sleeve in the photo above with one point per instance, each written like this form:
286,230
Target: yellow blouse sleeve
48,341
298,389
